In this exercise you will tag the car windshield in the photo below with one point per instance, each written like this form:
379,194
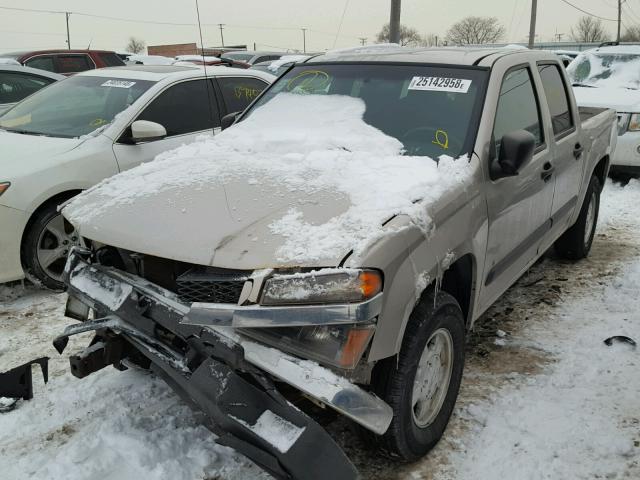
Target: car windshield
606,70
73,107
433,111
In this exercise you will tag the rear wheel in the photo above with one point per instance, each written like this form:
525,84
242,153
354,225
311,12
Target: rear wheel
576,242
46,245
421,386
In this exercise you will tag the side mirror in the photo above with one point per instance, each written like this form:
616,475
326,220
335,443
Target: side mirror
515,150
228,120
145,131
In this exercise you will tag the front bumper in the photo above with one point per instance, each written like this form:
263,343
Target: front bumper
627,152
12,223
218,371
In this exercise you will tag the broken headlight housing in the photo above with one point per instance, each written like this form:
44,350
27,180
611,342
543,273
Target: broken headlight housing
341,346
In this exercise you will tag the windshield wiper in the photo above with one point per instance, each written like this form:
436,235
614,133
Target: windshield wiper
25,132
582,85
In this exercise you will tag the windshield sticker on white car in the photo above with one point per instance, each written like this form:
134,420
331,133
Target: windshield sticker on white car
118,84
440,84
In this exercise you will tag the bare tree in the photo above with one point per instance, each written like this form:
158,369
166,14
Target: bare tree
430,40
408,36
631,34
475,30
135,45
589,29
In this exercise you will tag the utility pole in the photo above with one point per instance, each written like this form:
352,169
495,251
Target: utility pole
394,22
619,19
363,40
304,40
221,25
532,25
67,15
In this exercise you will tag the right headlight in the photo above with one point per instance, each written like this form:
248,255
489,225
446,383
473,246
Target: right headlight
324,286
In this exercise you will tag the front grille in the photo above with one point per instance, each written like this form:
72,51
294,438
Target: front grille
210,286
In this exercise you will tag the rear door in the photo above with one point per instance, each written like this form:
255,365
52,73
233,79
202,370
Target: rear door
186,110
518,207
68,64
566,149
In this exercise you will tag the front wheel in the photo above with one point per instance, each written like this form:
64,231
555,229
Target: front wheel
421,386
46,245
575,243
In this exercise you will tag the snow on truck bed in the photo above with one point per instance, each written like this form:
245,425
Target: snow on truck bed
305,144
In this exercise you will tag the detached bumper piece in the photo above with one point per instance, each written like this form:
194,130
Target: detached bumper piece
18,382
208,370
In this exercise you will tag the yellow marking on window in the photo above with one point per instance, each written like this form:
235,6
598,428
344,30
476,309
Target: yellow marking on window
441,139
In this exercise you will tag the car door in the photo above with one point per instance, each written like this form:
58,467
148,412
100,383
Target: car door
566,148
238,92
68,64
14,86
518,206
186,110
42,62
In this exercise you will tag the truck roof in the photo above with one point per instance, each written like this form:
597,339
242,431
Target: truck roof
160,72
445,55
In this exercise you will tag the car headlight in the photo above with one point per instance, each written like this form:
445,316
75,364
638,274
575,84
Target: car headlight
341,346
634,122
4,186
322,286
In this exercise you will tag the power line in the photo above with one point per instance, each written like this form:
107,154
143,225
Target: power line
346,5
588,13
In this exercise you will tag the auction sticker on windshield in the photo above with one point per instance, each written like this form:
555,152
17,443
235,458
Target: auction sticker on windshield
440,84
118,84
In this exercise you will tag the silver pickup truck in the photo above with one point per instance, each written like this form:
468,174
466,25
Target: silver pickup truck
186,271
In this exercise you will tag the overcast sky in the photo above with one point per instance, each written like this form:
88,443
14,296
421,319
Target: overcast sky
276,23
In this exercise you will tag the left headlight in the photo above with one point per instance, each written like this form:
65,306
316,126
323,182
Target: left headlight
322,286
634,122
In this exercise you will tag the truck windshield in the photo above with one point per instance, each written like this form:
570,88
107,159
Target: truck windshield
73,107
606,70
433,111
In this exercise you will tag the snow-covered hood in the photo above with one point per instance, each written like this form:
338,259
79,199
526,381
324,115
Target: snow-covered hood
302,181
620,99
23,154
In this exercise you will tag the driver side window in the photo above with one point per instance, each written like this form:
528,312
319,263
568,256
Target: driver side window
518,108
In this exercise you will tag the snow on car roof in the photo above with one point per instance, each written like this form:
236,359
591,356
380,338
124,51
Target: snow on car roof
618,49
160,72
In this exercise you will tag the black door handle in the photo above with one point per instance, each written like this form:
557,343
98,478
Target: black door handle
547,171
577,151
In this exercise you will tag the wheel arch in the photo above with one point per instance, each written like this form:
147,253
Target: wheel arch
58,198
601,170
459,281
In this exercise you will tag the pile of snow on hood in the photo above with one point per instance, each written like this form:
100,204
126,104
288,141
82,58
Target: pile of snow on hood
306,144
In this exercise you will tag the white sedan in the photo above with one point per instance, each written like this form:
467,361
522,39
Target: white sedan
74,133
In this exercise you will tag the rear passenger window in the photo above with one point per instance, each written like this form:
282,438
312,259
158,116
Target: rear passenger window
16,86
239,92
556,93
74,63
184,108
111,59
43,63
517,108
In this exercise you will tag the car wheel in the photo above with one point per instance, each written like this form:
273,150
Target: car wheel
576,242
46,245
422,384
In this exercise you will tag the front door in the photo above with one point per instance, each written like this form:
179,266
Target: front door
186,110
518,207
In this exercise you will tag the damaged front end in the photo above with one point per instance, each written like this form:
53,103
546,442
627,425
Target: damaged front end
232,379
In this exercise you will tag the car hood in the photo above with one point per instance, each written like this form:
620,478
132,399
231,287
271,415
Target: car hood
621,99
226,224
22,154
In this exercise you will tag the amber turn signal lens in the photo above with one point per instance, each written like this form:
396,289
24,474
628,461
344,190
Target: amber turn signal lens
370,283
4,186
352,350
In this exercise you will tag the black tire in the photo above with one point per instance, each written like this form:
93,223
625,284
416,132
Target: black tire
575,243
33,237
394,378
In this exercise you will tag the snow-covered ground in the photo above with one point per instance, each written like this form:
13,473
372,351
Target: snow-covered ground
543,397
